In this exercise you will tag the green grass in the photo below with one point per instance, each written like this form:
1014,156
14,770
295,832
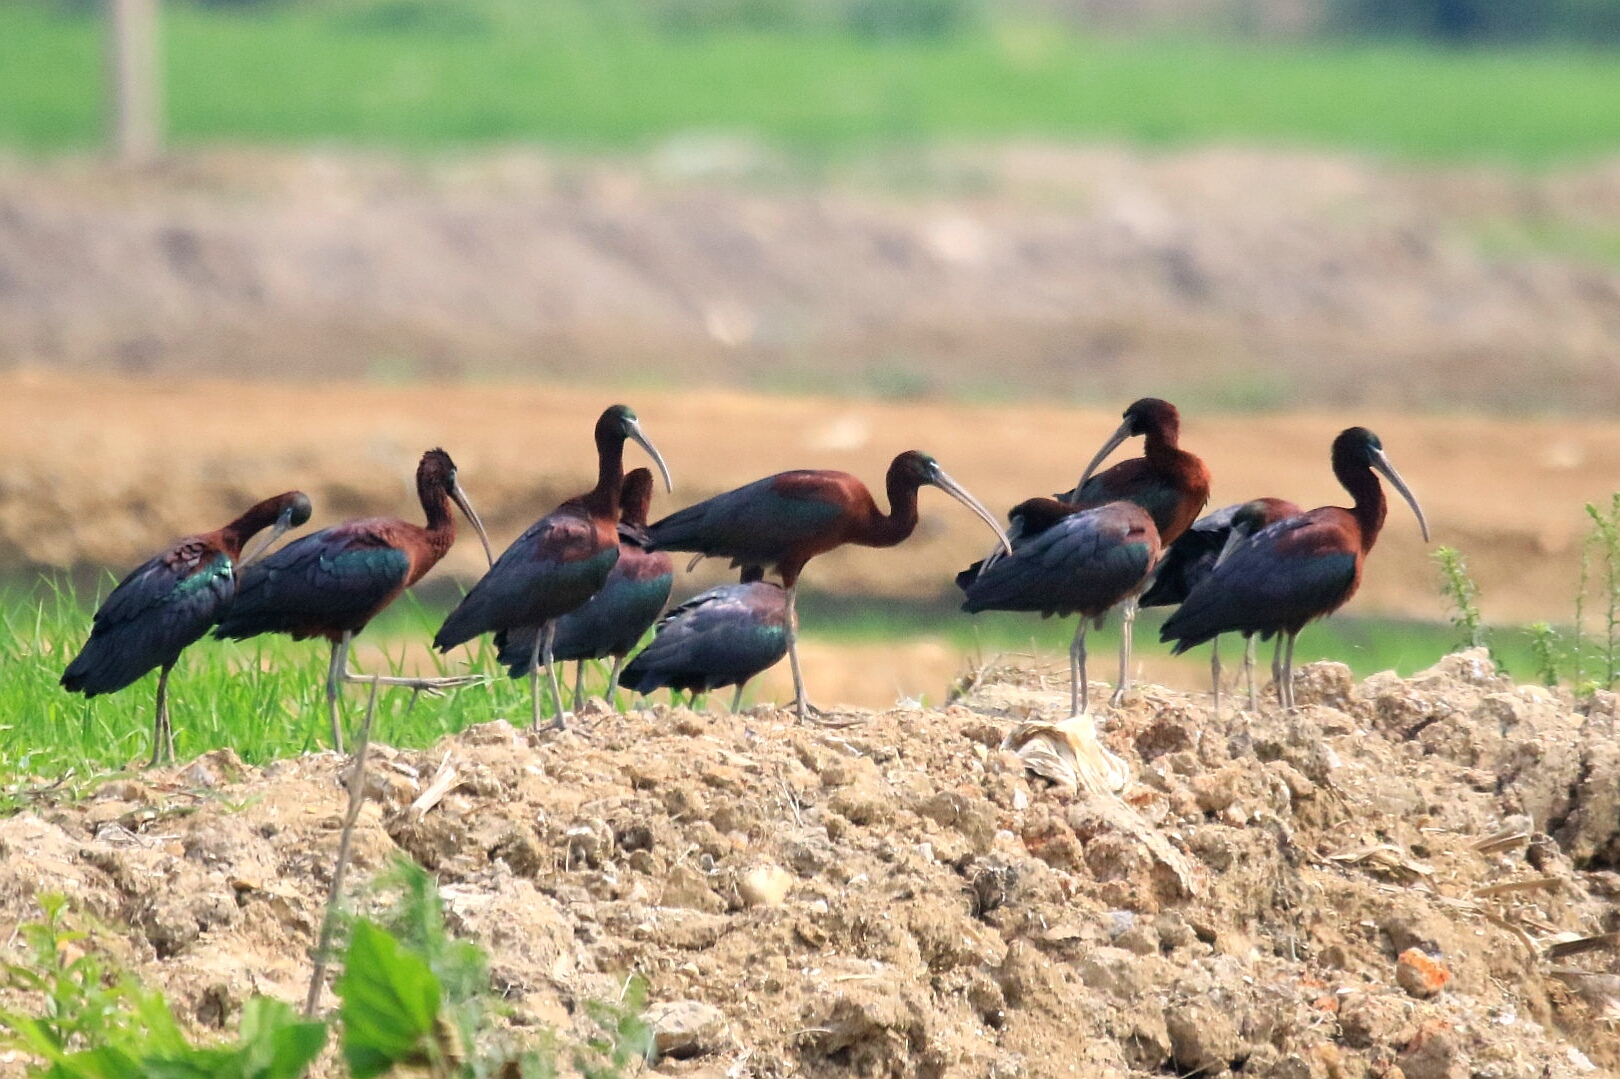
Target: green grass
418,74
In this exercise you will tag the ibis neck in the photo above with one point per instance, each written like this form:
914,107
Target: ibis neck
441,525
1369,506
602,501
234,535
901,521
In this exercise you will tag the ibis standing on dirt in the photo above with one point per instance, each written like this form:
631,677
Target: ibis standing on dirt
722,637
1195,553
1301,568
333,582
787,519
168,602
560,562
1171,484
613,621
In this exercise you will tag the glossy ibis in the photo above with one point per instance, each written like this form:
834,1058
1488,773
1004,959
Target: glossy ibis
722,637
612,622
1193,555
1167,481
558,564
1300,568
168,602
787,519
332,582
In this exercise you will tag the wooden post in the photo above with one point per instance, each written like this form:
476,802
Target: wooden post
136,111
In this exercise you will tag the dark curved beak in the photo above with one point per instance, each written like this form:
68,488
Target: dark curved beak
460,498
1381,462
957,491
266,540
1113,443
633,429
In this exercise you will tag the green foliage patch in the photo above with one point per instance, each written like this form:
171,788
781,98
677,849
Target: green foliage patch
433,74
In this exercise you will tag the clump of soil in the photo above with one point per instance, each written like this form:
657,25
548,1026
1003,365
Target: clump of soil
1400,878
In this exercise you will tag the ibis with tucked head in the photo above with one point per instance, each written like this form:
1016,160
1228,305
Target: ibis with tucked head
333,582
560,562
613,621
1194,554
789,518
168,602
1300,568
722,637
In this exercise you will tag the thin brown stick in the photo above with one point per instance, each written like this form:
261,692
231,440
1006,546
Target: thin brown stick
357,798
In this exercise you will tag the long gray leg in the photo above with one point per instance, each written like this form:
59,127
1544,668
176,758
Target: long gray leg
1248,671
1215,672
613,682
1079,691
560,723
534,675
340,659
1277,671
579,686
801,703
1127,628
736,698
1288,669
162,733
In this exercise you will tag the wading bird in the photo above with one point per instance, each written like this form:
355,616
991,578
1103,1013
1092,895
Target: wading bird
722,637
613,621
332,582
1167,481
787,519
1193,555
168,602
560,562
1299,569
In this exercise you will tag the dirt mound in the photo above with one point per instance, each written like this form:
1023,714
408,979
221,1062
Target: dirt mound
1397,875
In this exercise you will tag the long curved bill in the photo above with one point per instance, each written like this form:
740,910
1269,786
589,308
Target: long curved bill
1113,443
266,540
652,451
460,497
958,492
1380,461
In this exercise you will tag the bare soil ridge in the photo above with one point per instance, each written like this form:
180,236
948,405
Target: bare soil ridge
1379,881
1246,277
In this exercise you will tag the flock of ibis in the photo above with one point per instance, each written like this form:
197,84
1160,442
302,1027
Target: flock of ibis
587,580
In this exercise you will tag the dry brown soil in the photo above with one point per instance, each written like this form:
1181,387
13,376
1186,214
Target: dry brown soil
939,911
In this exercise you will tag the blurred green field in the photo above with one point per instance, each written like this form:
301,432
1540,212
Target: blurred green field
429,74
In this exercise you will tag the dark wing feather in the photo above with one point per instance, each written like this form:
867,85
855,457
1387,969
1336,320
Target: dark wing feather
722,637
555,566
1190,558
1086,562
327,582
1273,582
155,612
610,623
754,524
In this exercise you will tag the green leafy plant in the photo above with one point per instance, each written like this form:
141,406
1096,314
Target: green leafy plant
1544,647
391,1008
1463,592
96,1023
625,1036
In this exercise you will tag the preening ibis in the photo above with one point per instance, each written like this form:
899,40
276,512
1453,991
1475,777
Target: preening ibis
168,602
1299,568
1193,555
1167,481
560,562
612,622
332,582
722,637
787,519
